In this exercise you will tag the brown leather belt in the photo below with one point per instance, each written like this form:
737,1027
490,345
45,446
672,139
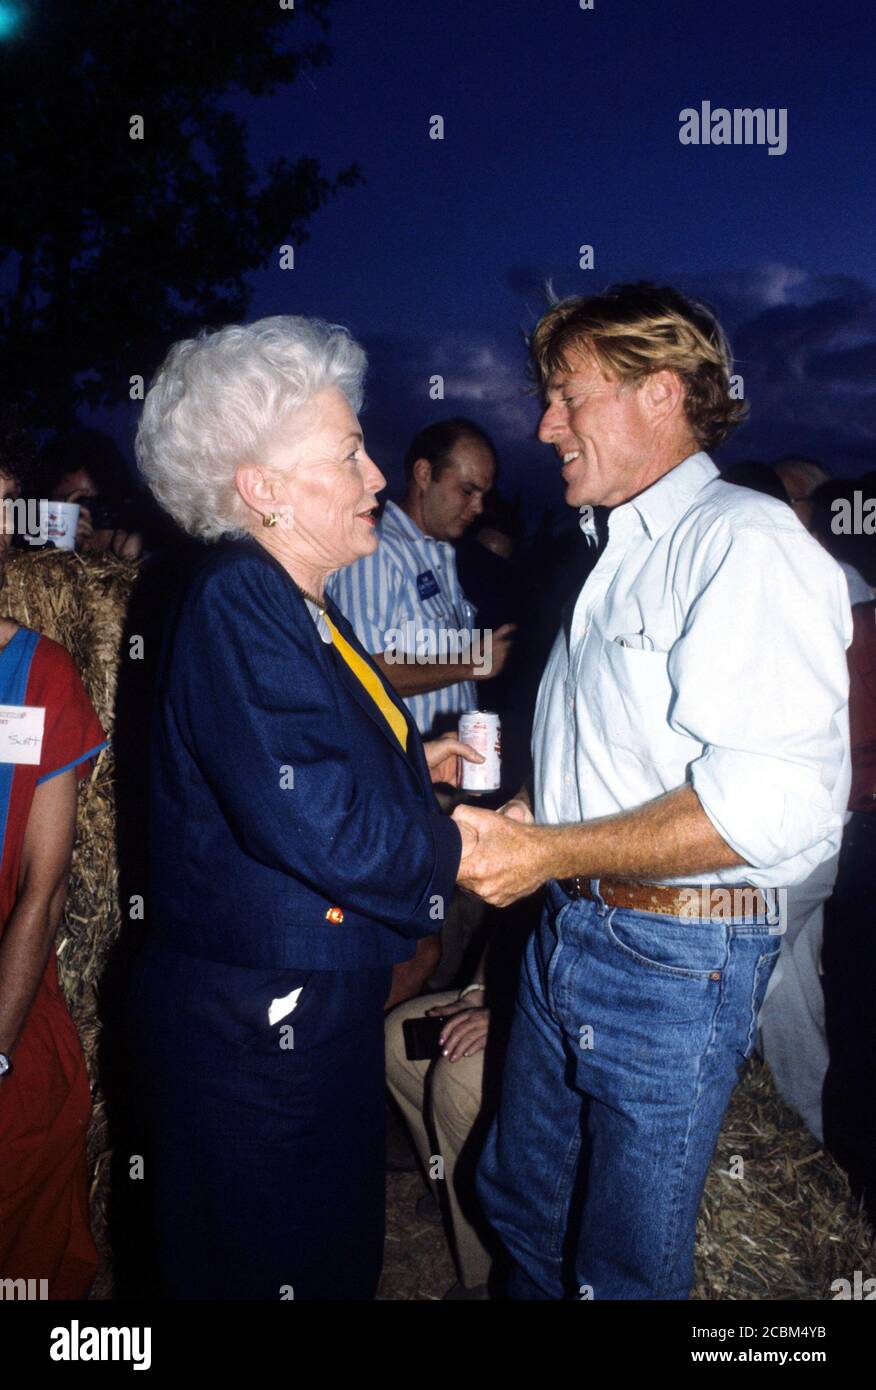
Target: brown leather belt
716,902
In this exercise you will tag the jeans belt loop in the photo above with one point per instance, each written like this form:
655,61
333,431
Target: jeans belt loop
598,899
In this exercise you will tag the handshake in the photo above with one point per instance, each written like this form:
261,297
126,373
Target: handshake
501,852
504,853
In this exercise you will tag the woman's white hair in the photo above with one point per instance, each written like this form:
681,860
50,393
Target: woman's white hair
216,400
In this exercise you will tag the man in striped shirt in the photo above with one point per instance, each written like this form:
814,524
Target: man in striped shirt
405,600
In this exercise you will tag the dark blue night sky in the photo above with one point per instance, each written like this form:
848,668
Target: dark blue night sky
561,129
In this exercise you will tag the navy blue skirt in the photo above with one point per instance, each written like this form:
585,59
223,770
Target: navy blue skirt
263,1140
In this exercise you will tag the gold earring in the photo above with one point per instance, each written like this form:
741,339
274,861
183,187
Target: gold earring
270,519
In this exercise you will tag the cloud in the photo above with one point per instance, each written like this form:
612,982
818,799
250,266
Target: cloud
483,379
805,345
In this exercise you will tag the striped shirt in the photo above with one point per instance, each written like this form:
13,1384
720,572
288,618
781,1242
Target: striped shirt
396,597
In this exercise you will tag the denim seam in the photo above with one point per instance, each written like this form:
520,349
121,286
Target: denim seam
562,1200
755,984
671,1250
553,963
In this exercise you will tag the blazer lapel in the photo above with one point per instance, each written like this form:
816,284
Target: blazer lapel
414,758
364,700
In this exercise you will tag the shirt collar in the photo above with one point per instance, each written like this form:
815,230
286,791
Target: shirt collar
666,500
587,522
400,521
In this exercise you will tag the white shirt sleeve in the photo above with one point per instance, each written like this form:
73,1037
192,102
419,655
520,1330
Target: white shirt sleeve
760,678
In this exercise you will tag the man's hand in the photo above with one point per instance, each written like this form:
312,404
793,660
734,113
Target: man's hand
127,545
505,861
84,529
518,809
469,845
442,758
669,837
500,650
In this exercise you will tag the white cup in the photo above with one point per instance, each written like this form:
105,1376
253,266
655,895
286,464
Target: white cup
60,520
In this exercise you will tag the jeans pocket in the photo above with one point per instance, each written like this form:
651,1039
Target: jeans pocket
762,971
667,945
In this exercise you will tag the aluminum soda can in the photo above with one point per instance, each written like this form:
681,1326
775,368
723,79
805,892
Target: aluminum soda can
482,729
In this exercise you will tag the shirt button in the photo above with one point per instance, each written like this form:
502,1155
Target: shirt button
567,778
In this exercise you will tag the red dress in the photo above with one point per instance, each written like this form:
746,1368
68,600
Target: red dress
45,1101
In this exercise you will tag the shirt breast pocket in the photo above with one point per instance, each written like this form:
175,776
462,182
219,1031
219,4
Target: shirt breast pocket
632,695
433,613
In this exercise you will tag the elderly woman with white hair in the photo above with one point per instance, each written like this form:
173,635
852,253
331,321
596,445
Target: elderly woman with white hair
298,850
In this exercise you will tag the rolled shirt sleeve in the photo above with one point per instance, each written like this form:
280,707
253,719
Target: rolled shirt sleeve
760,678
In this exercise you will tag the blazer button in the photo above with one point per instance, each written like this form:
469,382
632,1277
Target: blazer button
335,915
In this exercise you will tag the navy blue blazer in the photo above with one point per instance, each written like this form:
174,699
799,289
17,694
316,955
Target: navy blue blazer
288,827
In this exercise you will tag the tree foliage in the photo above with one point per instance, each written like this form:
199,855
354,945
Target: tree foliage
111,247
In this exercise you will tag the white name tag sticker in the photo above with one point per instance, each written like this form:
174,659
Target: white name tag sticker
21,733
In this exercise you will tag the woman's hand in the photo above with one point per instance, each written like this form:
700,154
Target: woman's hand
442,758
457,1006
465,1034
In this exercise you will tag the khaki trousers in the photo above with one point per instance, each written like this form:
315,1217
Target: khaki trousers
440,1116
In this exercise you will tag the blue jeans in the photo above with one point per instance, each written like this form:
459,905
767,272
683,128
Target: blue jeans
628,1038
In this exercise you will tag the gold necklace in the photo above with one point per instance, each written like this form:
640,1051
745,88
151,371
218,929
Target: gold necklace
317,602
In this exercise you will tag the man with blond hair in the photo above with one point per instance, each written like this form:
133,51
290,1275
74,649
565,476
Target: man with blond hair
691,732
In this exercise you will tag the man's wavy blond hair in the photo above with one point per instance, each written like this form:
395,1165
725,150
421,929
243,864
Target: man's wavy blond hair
635,330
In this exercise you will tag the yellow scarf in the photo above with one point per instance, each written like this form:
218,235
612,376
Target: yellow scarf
372,683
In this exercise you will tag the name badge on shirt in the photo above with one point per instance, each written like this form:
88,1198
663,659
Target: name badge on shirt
427,585
21,733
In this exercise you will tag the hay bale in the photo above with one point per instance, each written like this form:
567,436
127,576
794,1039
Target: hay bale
788,1226
81,602
784,1230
